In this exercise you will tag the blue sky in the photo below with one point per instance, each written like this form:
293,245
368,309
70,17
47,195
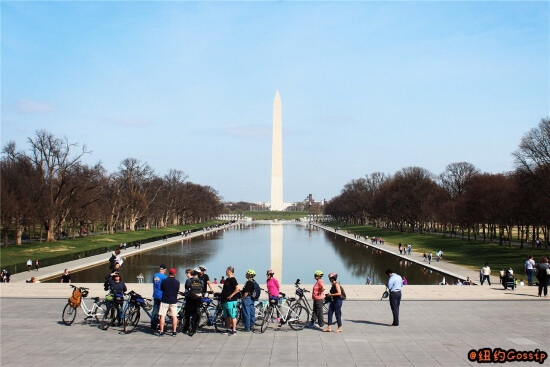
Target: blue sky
365,86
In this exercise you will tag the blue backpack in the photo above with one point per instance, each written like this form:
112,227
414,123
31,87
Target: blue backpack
257,291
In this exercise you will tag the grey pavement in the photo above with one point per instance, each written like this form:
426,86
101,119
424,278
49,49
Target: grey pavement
432,333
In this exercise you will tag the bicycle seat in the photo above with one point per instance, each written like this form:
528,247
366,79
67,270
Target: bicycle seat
96,299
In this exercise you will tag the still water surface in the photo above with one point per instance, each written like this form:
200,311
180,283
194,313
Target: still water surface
293,250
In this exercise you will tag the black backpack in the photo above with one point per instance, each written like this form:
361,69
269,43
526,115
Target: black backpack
112,262
195,289
256,292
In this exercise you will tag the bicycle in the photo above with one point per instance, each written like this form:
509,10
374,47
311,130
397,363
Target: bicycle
261,306
131,315
118,303
295,315
96,311
300,292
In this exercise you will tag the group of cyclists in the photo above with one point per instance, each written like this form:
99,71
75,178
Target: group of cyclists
166,289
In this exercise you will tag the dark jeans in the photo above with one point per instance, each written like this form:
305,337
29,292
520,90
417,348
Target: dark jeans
530,273
543,286
335,308
191,307
249,313
486,277
395,301
154,313
317,314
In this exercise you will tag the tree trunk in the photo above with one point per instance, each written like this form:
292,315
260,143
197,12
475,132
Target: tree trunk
18,233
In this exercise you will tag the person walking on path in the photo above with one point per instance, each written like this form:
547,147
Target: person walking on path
29,264
229,301
394,285
486,272
170,288
37,264
543,276
335,296
157,294
318,299
530,269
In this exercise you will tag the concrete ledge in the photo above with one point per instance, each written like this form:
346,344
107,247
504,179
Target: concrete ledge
353,292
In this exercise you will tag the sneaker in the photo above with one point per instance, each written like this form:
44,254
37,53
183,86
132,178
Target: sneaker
233,332
310,324
227,332
161,334
174,333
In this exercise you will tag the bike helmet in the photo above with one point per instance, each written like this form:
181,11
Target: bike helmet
333,275
270,272
202,267
251,272
197,270
318,273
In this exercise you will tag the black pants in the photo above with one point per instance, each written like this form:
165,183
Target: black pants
395,301
191,307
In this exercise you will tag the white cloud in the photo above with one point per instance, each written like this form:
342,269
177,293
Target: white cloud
26,105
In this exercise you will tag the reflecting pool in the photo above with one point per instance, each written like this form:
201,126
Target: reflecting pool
292,249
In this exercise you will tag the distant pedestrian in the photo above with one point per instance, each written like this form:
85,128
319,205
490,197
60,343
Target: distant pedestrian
409,249
29,264
140,278
369,281
486,272
66,277
425,257
394,285
222,280
542,275
530,269
215,281
37,264
430,258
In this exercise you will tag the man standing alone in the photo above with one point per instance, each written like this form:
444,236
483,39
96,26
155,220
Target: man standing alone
395,283
485,272
530,269
170,288
157,294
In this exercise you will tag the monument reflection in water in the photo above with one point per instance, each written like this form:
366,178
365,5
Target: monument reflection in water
293,250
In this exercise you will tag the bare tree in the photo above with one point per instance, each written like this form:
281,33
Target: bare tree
534,149
53,158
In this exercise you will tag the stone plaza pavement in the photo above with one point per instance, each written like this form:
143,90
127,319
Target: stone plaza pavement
431,333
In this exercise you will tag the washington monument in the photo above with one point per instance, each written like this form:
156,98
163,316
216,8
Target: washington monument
277,156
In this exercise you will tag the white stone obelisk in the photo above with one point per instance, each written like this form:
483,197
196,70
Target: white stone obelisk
277,156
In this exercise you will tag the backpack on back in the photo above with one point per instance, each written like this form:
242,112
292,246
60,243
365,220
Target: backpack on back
342,293
195,289
256,292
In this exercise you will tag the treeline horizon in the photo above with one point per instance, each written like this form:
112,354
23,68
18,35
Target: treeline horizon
461,200
50,189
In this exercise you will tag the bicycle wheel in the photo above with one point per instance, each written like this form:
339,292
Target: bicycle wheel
69,314
131,318
297,317
108,318
259,310
219,322
267,318
100,311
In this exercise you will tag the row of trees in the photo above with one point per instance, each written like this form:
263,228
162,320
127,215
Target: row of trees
461,199
52,189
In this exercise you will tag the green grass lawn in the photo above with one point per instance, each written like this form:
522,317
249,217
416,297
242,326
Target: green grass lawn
13,254
470,254
275,215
